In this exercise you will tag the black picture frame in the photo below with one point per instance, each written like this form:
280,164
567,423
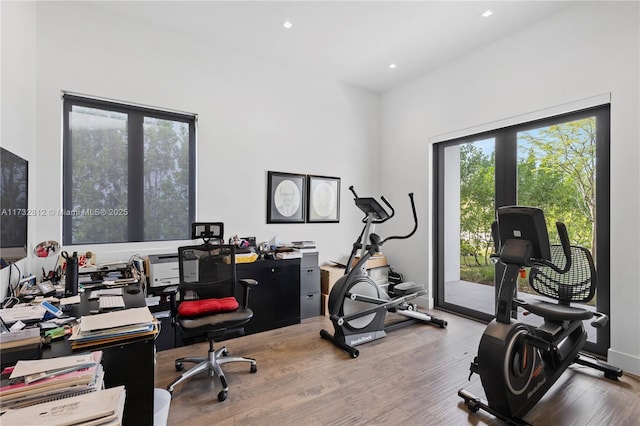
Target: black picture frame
323,199
286,196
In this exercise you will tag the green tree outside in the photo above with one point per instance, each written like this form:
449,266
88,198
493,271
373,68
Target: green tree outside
556,172
100,182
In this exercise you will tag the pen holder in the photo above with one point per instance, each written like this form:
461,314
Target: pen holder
71,277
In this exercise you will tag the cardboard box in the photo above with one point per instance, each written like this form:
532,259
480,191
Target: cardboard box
328,277
375,261
325,304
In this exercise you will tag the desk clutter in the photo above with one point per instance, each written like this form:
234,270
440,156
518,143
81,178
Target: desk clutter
60,391
110,327
32,382
52,356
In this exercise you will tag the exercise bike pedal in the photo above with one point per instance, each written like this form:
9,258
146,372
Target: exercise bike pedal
473,368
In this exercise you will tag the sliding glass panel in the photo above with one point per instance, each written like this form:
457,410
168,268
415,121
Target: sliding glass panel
469,211
557,172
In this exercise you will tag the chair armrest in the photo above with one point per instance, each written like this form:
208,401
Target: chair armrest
247,283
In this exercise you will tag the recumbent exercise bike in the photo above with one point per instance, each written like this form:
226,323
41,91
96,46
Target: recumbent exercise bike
518,363
357,304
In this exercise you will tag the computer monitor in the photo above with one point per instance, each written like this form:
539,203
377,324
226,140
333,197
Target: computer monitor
525,223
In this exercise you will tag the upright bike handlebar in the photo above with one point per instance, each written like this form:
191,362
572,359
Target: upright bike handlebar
415,223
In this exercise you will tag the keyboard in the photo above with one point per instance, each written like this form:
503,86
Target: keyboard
111,302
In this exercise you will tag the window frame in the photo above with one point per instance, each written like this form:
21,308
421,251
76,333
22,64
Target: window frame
135,164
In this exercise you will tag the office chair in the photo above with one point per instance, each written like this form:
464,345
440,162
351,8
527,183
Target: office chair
207,305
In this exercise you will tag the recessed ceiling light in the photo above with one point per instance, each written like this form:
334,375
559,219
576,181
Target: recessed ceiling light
487,13
392,66
287,25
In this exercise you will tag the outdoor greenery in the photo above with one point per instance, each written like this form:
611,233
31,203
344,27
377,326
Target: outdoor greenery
101,184
556,172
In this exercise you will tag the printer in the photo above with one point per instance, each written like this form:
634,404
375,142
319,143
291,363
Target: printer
163,270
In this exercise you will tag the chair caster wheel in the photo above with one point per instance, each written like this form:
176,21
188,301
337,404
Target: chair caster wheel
222,396
179,366
225,353
254,368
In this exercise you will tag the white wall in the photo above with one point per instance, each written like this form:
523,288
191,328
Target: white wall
589,49
17,106
253,116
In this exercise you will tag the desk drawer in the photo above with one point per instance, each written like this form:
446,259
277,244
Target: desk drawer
309,260
309,305
309,280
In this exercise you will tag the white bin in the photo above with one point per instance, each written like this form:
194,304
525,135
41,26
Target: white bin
161,402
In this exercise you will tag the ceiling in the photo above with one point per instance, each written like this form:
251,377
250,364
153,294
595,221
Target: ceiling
352,42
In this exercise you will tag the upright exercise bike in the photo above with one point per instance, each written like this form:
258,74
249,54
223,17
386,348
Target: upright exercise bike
357,304
518,363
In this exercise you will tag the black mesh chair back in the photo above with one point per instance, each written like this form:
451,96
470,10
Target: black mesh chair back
207,271
576,285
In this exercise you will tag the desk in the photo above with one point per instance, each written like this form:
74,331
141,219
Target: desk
129,363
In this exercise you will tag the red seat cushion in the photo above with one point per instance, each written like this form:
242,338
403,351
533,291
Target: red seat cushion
196,308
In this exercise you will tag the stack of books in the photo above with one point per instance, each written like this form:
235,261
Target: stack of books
19,344
110,327
288,255
103,407
38,381
303,244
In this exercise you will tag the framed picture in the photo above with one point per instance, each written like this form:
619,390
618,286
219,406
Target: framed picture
323,199
286,195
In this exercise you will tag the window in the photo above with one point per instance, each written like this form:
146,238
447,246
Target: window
128,173
560,164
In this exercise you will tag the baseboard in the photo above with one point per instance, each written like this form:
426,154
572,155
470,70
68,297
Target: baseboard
628,363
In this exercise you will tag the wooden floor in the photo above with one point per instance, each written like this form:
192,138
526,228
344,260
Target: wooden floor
411,377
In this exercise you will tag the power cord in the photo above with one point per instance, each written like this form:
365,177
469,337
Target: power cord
12,295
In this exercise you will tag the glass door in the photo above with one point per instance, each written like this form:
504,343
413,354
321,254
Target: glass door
469,205
559,164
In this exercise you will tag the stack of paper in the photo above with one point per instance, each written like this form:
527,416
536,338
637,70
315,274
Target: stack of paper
113,327
288,255
103,407
37,381
303,244
26,314
15,340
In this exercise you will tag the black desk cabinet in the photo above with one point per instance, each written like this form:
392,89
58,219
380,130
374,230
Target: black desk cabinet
275,301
